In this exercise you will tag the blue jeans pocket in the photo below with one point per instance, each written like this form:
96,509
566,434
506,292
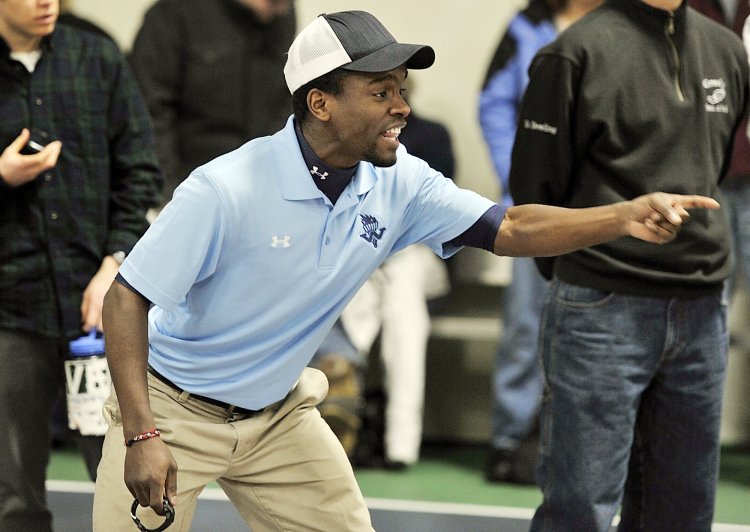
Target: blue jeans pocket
581,296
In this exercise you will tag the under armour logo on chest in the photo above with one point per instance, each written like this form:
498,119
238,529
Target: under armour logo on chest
280,242
314,171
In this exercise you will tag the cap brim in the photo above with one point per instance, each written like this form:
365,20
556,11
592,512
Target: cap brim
393,55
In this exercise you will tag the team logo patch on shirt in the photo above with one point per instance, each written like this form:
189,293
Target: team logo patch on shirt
716,93
372,234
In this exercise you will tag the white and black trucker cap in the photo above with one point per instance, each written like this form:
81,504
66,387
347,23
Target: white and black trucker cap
353,40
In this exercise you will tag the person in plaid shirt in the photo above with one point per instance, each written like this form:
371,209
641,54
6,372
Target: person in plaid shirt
78,173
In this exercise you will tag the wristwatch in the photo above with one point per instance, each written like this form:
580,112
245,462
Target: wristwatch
119,257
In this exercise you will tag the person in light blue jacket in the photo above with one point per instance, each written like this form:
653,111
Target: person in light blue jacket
517,380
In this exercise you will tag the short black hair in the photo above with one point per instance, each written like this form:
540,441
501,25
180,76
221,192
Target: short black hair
330,83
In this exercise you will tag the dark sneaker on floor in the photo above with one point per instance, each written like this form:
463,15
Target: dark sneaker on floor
395,465
499,466
516,466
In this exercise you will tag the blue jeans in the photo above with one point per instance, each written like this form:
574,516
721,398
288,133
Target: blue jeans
517,379
631,410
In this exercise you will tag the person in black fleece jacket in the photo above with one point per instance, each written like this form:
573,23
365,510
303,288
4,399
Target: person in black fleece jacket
640,95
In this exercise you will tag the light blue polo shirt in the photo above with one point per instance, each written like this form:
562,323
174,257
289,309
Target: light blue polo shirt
249,265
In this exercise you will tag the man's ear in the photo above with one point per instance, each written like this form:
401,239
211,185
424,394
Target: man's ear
318,103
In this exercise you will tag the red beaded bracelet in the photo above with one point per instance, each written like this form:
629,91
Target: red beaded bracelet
153,433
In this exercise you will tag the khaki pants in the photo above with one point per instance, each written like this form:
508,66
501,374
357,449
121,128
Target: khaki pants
283,469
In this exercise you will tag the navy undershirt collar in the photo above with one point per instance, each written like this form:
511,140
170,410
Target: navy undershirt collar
330,181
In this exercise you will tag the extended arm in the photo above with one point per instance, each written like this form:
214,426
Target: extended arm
543,230
150,469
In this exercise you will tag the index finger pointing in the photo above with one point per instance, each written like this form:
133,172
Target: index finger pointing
695,201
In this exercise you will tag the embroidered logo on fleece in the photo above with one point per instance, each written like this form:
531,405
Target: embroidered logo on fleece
716,93
536,126
372,234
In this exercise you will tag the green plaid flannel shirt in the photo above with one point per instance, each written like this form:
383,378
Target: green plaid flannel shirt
55,231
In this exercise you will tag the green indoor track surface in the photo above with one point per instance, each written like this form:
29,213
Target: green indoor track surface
453,474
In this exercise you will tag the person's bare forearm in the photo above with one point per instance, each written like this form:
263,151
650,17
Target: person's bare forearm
126,337
150,469
544,230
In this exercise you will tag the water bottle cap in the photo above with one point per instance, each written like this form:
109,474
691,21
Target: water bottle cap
91,344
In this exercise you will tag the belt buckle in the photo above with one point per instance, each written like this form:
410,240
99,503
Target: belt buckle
234,415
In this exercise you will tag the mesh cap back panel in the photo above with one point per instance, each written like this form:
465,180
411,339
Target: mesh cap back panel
313,53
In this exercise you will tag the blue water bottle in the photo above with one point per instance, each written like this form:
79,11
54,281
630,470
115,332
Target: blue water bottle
87,384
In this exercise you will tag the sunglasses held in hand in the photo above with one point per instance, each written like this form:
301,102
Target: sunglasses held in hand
168,517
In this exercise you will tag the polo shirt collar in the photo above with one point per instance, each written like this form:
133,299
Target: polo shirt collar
293,175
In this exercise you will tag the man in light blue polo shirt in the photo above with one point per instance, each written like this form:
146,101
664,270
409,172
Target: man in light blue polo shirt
250,264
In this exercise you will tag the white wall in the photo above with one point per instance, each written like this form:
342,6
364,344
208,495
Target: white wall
120,18
463,34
